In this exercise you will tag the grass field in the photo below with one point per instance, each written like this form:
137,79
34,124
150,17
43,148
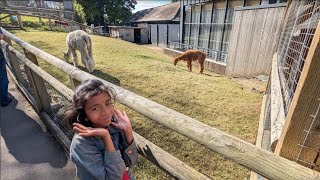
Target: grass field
224,103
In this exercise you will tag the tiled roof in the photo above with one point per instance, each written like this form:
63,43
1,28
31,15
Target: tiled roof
162,13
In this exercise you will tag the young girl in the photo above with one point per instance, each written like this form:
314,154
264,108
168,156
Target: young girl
103,145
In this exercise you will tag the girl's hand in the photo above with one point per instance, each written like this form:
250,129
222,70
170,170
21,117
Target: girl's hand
122,121
88,131
98,132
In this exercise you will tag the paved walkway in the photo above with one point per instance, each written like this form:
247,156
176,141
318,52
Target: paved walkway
28,150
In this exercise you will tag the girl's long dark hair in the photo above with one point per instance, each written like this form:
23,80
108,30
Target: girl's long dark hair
86,90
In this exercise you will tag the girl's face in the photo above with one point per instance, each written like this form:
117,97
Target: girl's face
99,110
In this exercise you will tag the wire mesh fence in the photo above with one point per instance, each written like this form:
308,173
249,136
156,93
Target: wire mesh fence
58,105
309,135
299,29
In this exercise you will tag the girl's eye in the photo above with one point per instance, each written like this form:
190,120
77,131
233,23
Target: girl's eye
108,103
95,108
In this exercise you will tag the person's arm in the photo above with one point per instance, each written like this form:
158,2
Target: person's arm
101,164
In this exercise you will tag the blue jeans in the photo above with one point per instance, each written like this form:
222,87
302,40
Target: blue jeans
4,95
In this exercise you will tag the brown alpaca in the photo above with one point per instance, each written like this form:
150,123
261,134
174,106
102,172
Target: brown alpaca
192,55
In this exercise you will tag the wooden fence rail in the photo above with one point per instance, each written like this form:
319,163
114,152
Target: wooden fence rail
254,158
153,153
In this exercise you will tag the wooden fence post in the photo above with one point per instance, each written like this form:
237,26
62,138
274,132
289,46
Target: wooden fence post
20,22
74,83
50,23
40,91
14,62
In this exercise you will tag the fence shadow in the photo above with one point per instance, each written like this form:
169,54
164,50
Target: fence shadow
105,76
99,74
26,141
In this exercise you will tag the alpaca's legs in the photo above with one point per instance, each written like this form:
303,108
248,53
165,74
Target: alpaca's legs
201,62
189,64
66,55
74,57
201,66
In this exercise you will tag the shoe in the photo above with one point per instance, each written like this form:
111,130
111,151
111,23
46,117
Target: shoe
6,103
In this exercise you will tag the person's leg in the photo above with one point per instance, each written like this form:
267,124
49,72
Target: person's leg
4,96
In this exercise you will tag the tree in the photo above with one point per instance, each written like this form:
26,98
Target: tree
172,1
112,12
80,14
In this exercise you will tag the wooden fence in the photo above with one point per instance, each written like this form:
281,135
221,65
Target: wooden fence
254,39
254,158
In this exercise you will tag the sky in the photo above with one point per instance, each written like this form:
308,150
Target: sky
146,4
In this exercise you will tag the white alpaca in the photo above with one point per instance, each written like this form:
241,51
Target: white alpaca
80,40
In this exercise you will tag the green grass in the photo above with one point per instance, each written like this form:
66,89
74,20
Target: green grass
216,100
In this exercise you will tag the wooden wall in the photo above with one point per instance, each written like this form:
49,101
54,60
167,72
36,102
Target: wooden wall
253,40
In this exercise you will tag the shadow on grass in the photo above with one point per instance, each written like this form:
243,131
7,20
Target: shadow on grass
196,71
104,76
99,74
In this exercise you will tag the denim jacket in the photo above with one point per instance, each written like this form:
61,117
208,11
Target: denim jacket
93,162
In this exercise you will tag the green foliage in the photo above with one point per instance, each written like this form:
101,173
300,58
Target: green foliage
80,14
112,12
174,1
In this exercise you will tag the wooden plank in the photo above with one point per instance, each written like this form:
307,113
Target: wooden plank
262,14
242,152
244,44
266,38
39,85
73,82
254,42
304,103
276,34
234,43
257,40
50,23
14,64
38,106
259,139
164,160
277,115
261,122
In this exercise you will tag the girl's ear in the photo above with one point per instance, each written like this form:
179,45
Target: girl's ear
81,117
